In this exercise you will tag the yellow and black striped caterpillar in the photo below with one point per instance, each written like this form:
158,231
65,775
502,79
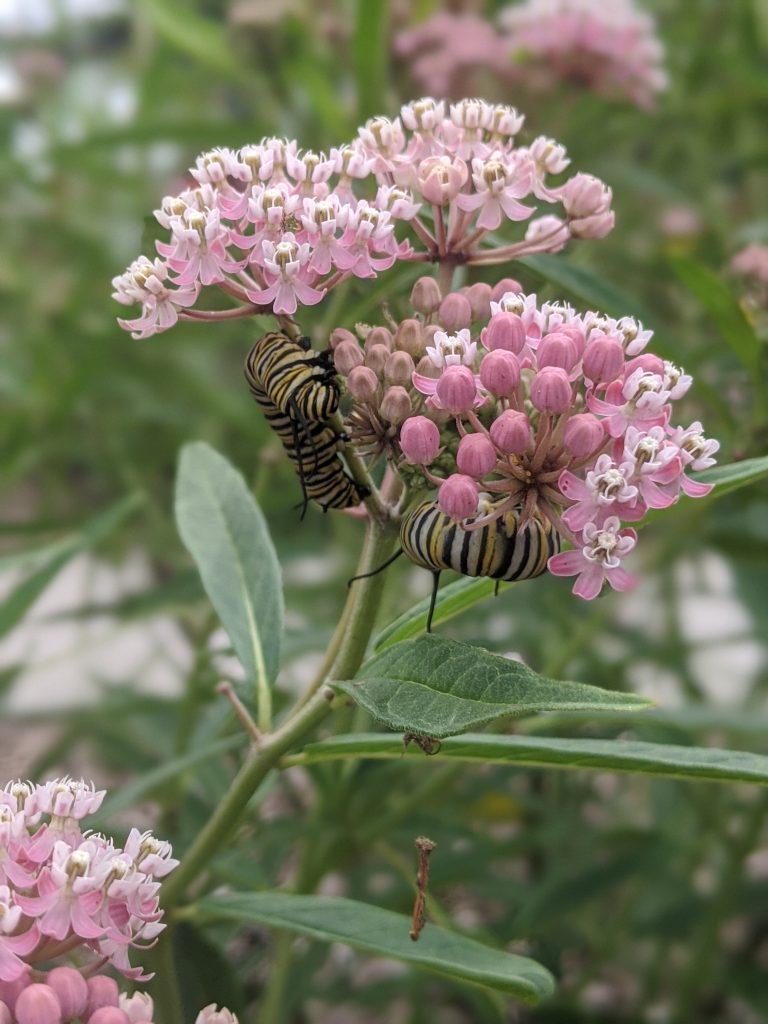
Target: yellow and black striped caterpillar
302,384
311,444
499,550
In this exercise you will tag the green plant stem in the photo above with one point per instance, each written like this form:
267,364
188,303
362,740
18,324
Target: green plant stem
698,973
165,987
364,598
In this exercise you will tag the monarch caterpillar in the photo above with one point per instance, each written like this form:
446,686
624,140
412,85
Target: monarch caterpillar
500,550
311,444
304,386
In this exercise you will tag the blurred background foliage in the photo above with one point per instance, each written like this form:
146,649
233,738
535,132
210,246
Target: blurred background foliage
646,898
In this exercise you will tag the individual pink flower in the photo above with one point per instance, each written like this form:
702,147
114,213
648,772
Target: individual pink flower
499,184
286,272
598,560
145,282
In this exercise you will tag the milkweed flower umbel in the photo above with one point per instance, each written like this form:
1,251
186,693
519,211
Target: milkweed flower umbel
611,48
62,888
553,414
273,227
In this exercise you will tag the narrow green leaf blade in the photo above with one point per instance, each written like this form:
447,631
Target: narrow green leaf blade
719,301
200,38
734,475
451,601
371,54
227,535
383,933
707,764
437,687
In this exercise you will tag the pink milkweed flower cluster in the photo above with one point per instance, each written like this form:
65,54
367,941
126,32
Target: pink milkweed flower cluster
63,889
63,995
561,415
274,227
752,263
612,48
448,52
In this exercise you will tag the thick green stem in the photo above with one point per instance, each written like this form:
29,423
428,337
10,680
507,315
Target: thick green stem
165,985
364,597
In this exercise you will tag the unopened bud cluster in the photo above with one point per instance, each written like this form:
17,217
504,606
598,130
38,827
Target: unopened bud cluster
558,414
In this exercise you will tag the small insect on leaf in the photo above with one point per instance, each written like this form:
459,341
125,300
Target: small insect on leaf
428,744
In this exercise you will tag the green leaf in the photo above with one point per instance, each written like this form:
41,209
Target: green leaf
25,593
734,475
451,601
383,933
226,534
588,286
371,55
200,38
436,687
661,759
721,304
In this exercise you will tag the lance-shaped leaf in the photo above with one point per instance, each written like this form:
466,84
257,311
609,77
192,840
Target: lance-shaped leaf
665,760
226,534
438,687
383,933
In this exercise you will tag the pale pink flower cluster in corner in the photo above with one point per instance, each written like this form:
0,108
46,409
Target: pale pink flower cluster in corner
275,227
63,995
561,415
63,889
610,46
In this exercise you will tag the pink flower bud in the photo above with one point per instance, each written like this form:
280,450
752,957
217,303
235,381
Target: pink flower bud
38,1004
506,284
376,357
340,334
5,1015
11,990
346,356
426,368
408,337
584,434
439,178
398,368
551,390
378,336
455,312
419,440
362,383
479,297
576,335
456,389
71,988
213,1015
648,362
584,195
500,373
597,226
137,1007
395,405
476,455
109,1015
102,991
505,331
603,359
557,349
511,432
425,295
458,496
